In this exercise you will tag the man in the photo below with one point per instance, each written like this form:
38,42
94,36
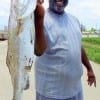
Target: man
58,71
22,40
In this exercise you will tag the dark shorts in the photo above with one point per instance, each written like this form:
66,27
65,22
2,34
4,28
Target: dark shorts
79,96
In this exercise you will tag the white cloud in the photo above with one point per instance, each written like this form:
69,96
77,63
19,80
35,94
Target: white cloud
93,6
5,1
2,13
87,11
4,7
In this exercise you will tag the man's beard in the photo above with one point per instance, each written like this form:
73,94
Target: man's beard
59,9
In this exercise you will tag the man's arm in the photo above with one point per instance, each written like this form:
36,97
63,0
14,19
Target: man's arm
91,76
40,41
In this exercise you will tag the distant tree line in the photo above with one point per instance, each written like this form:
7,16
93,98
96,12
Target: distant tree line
92,30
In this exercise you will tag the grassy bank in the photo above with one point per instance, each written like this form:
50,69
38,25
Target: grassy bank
92,47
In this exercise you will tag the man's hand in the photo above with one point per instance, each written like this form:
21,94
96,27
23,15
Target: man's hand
91,78
39,11
40,1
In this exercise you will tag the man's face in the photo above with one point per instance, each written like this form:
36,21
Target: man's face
58,5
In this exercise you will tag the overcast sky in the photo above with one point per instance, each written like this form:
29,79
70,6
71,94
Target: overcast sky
87,11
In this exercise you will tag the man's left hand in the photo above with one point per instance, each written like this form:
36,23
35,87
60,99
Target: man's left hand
91,78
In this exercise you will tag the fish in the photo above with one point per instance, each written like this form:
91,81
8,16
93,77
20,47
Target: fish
20,51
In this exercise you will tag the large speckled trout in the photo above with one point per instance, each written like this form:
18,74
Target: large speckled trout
20,44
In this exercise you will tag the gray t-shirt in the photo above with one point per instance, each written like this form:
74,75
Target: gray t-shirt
58,71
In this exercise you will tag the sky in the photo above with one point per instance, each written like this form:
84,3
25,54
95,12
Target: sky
87,11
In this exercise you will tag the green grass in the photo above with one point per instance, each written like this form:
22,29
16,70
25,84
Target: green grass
92,40
92,47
